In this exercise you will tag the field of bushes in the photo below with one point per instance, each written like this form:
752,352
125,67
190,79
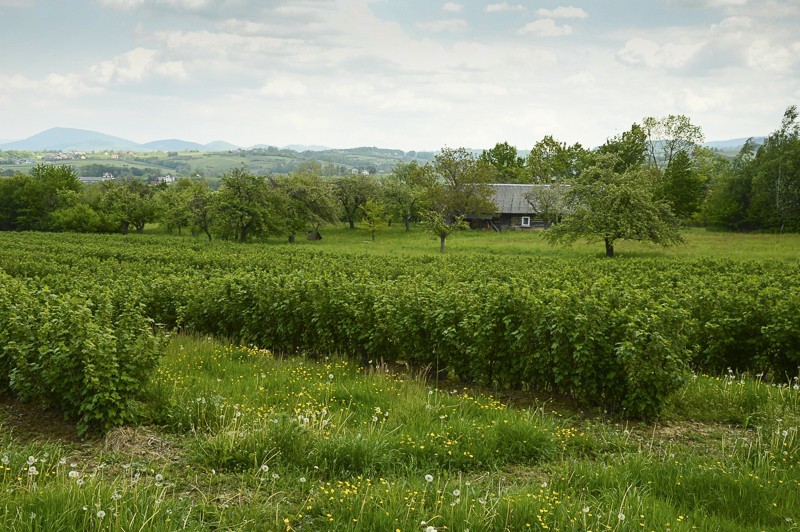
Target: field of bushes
360,400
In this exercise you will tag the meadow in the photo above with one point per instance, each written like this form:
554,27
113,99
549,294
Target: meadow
264,420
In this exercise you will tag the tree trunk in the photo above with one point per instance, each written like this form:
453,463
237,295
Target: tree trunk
208,233
291,239
609,247
352,223
407,221
441,245
125,227
373,236
243,235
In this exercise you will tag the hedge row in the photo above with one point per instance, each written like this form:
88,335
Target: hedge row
82,353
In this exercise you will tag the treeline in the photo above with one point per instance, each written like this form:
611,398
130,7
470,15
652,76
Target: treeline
656,171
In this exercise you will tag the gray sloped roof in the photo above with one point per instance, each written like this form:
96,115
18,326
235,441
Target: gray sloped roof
510,199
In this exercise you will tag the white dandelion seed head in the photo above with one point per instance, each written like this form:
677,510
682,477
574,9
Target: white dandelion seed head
31,460
159,477
621,516
265,468
428,478
302,479
456,493
586,509
101,514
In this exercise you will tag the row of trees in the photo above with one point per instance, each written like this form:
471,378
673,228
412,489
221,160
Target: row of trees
641,184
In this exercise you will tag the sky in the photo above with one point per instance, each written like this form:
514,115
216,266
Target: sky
411,75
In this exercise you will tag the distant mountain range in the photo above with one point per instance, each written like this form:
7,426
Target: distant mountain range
70,139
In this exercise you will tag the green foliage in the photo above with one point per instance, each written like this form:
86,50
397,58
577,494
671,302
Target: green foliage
88,357
669,136
245,205
504,158
610,206
682,186
552,161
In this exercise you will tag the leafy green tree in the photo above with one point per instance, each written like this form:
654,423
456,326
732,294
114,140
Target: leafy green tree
405,188
353,191
727,202
668,136
548,202
462,190
550,160
374,215
510,166
128,204
245,205
172,205
608,205
200,203
309,200
776,182
629,147
29,201
683,186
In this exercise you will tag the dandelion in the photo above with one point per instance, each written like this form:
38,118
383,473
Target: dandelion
32,471
430,529
621,516
4,459
585,509
423,523
544,484
330,376
116,496
428,478
31,460
159,477
265,468
374,419
63,461
785,433
302,480
79,482
481,501
33,516
456,493
275,476
100,514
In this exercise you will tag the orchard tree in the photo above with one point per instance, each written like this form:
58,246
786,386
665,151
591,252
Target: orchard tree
462,189
682,186
405,188
245,205
727,202
374,215
200,204
608,205
128,204
548,202
353,191
309,201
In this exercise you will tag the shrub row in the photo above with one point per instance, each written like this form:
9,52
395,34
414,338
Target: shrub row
86,355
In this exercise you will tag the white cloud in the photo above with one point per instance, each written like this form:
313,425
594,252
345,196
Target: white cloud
705,4
546,27
448,25
282,88
503,7
647,53
563,12
452,7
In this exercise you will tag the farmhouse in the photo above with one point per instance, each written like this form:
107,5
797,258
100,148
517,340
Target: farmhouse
515,209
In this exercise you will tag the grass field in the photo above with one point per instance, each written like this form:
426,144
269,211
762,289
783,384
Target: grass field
236,438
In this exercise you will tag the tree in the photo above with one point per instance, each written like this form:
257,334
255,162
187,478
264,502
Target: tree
200,204
461,190
668,136
246,206
776,182
353,191
550,160
630,149
405,188
309,201
128,204
609,206
505,159
548,202
727,202
172,206
35,198
682,186
374,214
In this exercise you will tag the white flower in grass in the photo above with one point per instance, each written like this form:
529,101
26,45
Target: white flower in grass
302,479
265,468
586,509
481,501
544,484
275,476
116,496
159,477
374,419
32,471
5,459
428,478
430,529
330,376
74,474
100,514
621,516
31,460
423,523
63,461
79,482
456,493
33,516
